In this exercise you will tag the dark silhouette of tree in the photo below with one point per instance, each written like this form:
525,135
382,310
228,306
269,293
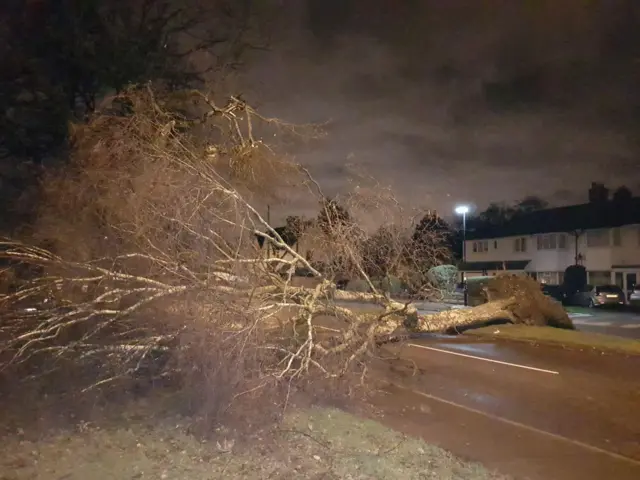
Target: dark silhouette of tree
295,225
60,56
498,213
575,279
431,241
333,216
381,252
622,195
530,204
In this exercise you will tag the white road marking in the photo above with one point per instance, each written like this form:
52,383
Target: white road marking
593,324
485,359
579,315
522,425
631,325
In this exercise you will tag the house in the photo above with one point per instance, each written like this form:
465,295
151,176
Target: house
603,235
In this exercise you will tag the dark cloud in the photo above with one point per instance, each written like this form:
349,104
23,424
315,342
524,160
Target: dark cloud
473,101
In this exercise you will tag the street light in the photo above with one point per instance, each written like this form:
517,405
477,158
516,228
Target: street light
463,210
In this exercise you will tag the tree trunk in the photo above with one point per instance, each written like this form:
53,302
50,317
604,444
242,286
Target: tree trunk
463,318
408,309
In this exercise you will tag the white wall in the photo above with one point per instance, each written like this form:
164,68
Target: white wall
504,251
628,253
595,258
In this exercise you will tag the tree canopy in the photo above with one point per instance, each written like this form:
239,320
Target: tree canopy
498,213
61,56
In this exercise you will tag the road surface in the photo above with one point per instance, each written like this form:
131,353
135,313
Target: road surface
610,322
532,412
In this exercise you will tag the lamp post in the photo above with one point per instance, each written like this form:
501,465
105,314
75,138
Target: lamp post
463,210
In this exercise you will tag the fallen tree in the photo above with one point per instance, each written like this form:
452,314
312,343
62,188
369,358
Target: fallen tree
516,299
157,271
158,261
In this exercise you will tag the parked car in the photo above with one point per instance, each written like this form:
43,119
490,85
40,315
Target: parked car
634,296
598,296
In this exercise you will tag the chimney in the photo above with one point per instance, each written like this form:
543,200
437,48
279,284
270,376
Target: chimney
598,193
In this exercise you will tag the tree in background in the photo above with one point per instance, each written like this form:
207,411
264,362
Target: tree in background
622,195
430,244
574,279
382,251
59,58
497,213
333,215
530,204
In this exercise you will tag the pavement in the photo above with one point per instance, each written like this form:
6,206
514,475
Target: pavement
528,411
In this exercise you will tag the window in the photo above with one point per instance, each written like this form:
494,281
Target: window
562,241
495,244
520,245
547,241
481,246
598,238
616,236
548,278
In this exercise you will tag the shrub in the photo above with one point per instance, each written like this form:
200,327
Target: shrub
358,285
390,284
443,277
532,307
575,279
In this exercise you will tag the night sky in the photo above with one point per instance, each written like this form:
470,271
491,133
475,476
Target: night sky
461,101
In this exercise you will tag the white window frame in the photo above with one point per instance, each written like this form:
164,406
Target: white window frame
520,245
547,241
480,246
598,238
562,241
550,278
616,237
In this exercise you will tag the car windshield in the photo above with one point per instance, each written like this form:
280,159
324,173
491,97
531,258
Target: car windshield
608,289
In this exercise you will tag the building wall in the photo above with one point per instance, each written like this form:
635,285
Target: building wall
595,258
499,249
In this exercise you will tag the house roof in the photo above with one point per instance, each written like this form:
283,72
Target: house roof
587,216
482,266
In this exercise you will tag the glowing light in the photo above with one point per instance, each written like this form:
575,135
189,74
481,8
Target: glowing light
462,210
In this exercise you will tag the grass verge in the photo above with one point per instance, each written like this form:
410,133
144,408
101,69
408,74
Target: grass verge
309,444
555,336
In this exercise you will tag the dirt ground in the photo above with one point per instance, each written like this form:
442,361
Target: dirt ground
313,443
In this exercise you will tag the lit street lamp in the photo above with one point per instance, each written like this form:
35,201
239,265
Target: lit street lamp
463,210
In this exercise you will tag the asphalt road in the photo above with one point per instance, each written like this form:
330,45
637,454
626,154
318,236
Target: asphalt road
610,322
531,412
